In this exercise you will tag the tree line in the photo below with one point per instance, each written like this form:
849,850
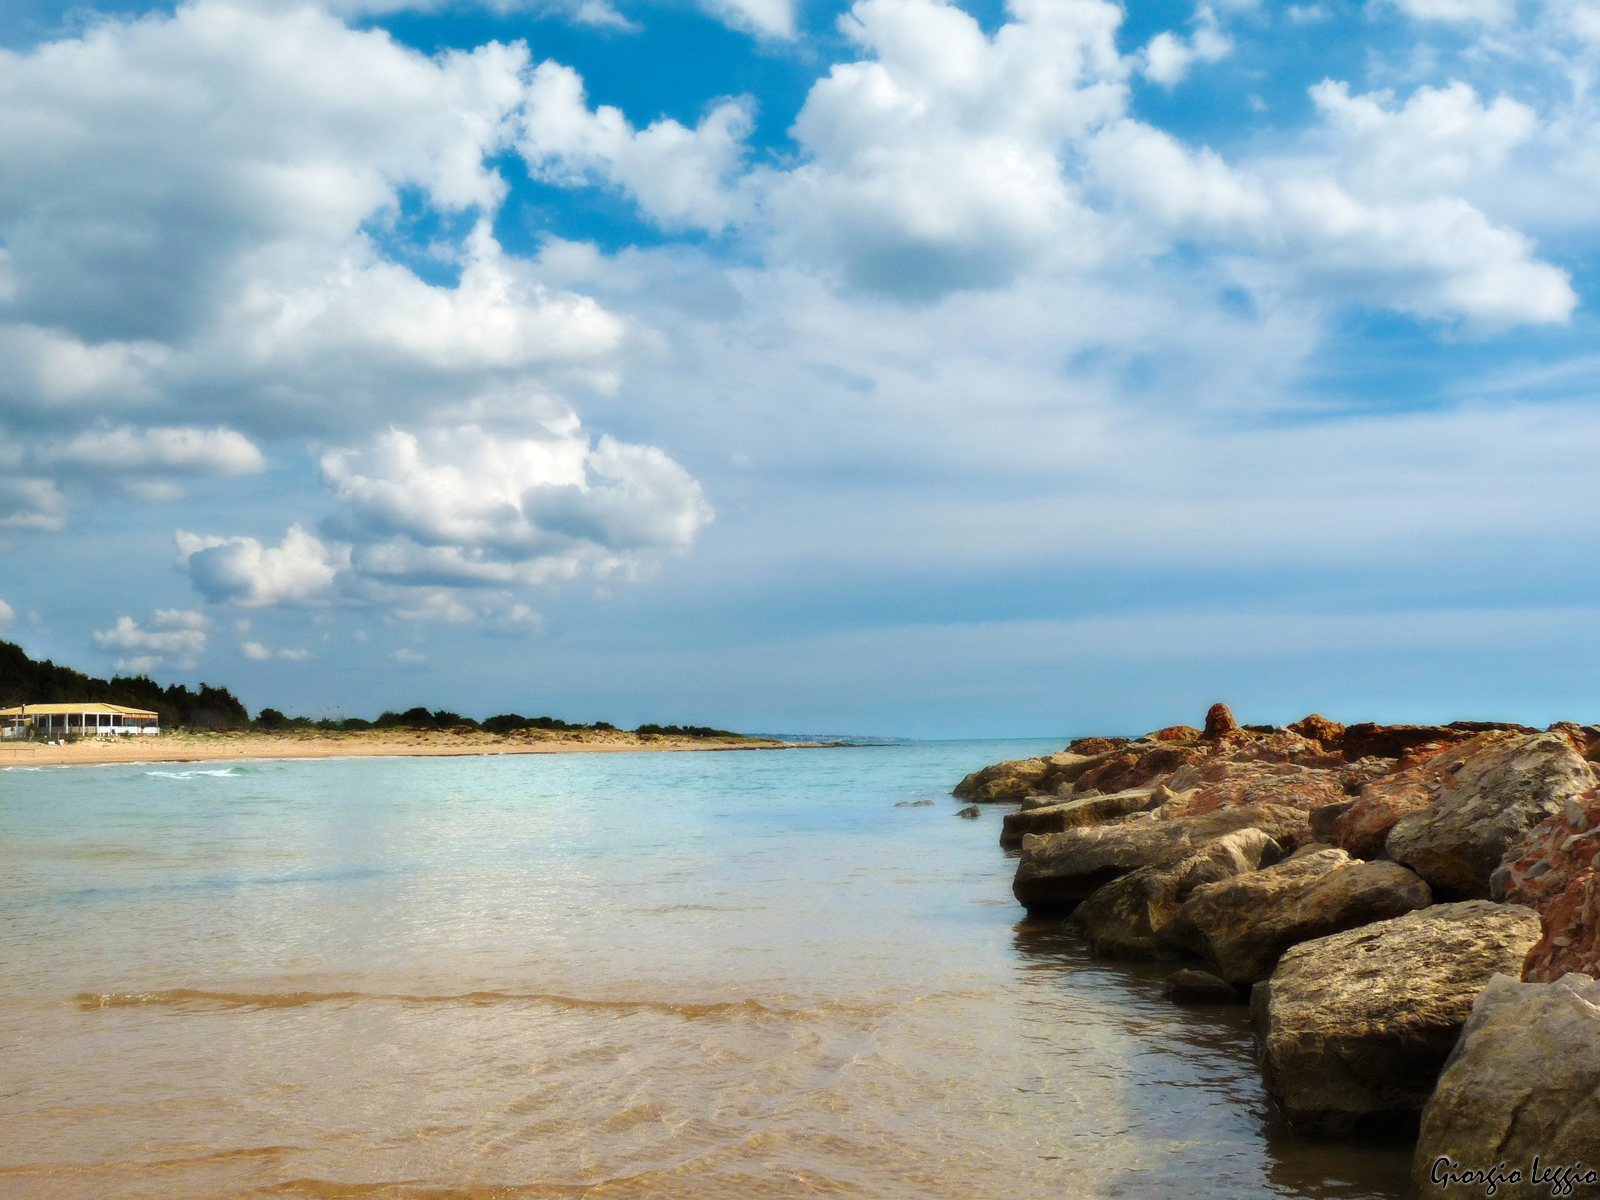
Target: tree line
24,680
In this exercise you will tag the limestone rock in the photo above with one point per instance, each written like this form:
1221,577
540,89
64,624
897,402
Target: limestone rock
970,812
1058,871
1199,987
1392,741
1128,917
1363,829
1260,783
1090,810
1552,871
1352,1029
1243,926
1496,788
1322,820
1522,1081
1010,780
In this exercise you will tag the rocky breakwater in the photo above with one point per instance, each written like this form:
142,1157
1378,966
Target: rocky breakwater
1366,881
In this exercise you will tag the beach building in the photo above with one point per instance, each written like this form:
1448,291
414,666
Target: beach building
51,721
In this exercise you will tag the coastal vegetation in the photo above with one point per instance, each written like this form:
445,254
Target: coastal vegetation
1411,912
24,680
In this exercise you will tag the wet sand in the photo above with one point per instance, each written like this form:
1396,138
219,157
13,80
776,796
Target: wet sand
372,743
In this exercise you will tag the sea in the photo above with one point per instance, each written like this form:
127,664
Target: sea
755,974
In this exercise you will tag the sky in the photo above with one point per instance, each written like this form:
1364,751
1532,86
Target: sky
892,368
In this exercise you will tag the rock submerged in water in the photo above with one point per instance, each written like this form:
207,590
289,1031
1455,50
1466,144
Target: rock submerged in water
1058,871
970,812
1522,1081
1242,926
1353,1029
1496,788
1189,986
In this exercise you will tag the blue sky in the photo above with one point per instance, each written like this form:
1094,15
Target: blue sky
894,367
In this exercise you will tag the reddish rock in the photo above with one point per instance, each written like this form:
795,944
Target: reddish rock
1176,733
1281,746
1552,871
1585,739
1497,788
1391,741
1136,770
1320,729
1095,745
1283,785
1219,721
1364,827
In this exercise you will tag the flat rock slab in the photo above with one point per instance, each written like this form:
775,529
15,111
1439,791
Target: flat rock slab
1058,871
1499,787
1353,1029
1090,810
1242,926
1523,1080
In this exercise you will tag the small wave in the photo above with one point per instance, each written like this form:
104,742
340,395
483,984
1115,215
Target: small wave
191,998
223,773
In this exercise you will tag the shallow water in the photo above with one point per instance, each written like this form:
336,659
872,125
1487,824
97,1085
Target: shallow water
627,975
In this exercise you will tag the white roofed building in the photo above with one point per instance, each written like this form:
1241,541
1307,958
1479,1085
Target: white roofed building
81,719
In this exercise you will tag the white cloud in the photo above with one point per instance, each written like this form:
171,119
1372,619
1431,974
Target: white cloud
408,657
7,613
177,633
260,653
1167,58
766,18
180,451
1459,12
242,571
679,176
465,505
31,503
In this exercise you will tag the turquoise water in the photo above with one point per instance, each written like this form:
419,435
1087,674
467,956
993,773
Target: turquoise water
710,974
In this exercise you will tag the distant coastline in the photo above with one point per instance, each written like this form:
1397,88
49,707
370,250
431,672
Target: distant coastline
242,745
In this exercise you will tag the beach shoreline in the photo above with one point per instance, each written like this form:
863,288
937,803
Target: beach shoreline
188,746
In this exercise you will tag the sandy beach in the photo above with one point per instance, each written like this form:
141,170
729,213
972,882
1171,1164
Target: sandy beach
189,746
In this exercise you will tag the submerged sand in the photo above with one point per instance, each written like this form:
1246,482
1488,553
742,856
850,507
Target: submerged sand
189,746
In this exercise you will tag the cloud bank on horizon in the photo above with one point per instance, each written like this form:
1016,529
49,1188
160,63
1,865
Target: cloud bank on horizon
511,352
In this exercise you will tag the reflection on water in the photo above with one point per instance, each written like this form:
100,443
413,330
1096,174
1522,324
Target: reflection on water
612,976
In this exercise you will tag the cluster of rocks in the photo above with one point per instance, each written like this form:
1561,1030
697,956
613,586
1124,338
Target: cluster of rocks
1362,885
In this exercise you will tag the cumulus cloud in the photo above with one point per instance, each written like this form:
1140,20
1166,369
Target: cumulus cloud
422,513
7,613
174,633
243,571
1168,57
681,177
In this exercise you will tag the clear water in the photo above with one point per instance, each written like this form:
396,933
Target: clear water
627,975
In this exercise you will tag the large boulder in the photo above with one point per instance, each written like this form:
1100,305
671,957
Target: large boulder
1496,788
1128,917
1058,871
1352,1029
1522,1082
1363,828
1088,810
1010,780
1243,925
1552,871
1283,784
